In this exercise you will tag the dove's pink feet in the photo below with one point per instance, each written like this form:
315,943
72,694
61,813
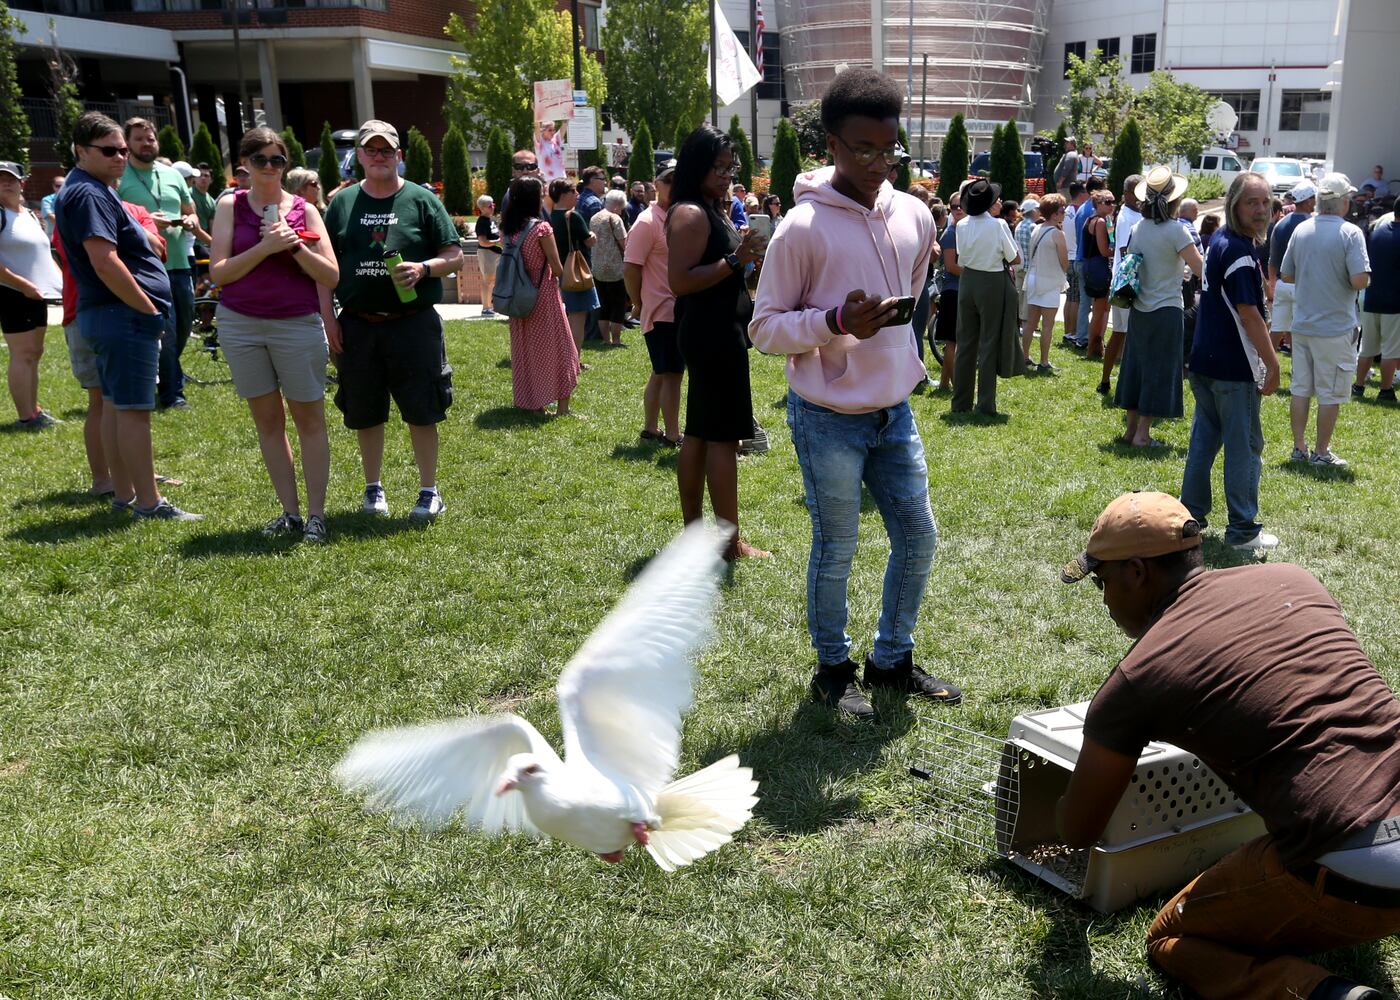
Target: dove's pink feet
612,857
639,831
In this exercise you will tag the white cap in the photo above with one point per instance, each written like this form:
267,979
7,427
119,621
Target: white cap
184,169
1334,186
1030,205
1303,190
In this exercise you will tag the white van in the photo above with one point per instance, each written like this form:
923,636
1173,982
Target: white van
1217,162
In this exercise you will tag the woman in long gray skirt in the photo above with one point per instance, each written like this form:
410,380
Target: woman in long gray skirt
988,341
1149,385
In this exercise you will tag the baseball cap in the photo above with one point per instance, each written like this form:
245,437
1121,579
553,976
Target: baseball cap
1030,205
11,167
184,169
1137,525
1333,186
375,127
667,168
1303,190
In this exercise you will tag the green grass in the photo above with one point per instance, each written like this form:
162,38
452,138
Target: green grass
176,695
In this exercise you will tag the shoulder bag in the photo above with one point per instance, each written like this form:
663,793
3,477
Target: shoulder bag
578,276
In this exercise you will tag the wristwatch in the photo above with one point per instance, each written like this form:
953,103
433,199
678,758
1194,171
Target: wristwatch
733,261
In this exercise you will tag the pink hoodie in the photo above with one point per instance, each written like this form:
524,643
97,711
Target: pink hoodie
825,247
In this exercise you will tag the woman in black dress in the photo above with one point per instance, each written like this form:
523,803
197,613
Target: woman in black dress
706,270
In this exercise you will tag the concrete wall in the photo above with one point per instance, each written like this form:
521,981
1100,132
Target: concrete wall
1365,113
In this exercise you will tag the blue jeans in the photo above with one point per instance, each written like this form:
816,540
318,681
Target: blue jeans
837,452
1226,413
178,323
1086,306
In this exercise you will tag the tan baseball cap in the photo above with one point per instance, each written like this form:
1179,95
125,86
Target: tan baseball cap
375,127
1138,525
1334,186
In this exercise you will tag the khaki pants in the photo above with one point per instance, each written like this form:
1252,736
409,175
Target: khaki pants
1237,929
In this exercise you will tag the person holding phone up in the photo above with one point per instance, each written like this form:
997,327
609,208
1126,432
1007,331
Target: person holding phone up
836,296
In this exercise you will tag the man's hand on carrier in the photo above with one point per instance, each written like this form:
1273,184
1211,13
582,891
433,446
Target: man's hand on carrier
1098,782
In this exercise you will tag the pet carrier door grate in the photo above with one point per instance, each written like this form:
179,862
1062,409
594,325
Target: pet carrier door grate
1175,819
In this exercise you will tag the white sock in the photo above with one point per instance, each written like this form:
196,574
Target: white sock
431,489
375,483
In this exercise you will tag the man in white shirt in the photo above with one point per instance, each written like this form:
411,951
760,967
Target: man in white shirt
1078,195
1128,217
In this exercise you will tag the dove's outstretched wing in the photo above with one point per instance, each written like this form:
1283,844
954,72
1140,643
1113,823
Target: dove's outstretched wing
428,774
622,695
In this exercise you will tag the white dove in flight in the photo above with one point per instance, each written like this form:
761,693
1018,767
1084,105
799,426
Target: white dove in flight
620,700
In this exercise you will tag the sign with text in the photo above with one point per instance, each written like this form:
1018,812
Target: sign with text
554,100
583,130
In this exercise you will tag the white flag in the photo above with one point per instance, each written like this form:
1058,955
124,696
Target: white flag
735,72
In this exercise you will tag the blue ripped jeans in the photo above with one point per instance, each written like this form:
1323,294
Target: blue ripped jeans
838,452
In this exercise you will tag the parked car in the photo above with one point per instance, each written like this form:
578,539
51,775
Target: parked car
344,140
1035,170
662,157
1280,171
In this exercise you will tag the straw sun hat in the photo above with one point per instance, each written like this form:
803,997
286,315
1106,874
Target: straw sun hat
1161,183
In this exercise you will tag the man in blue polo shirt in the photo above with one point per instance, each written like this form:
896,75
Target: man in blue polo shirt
1232,366
123,299
1080,336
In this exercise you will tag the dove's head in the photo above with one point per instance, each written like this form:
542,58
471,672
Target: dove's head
523,771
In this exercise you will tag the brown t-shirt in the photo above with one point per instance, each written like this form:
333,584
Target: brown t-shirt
1254,670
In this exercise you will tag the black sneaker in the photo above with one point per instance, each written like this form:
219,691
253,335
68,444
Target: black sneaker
910,679
283,524
834,685
1358,391
1385,396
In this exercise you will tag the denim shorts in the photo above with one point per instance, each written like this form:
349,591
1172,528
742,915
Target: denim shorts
127,346
80,356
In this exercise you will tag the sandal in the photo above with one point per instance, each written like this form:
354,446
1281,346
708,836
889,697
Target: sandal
652,436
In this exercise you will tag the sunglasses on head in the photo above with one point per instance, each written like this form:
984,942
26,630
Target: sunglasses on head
107,151
259,160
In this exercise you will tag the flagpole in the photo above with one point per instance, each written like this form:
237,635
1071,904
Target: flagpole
756,44
714,70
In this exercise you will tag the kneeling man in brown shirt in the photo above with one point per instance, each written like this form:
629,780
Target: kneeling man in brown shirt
1253,670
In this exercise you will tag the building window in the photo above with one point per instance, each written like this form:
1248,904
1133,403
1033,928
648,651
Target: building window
1079,49
1246,105
1305,111
1108,47
772,86
1144,53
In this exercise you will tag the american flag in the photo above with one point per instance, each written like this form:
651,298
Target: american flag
758,37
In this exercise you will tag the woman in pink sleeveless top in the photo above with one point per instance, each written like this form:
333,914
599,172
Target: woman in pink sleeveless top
269,256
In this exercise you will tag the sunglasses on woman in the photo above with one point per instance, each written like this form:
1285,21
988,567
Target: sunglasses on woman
262,162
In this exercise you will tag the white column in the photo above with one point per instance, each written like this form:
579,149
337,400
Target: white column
363,87
877,34
271,96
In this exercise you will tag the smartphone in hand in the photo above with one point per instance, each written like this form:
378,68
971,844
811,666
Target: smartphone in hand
270,214
903,312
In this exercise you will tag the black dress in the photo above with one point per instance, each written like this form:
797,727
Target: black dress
711,326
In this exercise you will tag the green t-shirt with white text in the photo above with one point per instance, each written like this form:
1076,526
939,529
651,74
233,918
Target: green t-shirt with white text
362,229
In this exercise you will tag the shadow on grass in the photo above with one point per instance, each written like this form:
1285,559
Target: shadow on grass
647,451
1117,447
803,766
1218,555
974,418
250,541
503,363
61,498
1322,473
502,418
100,521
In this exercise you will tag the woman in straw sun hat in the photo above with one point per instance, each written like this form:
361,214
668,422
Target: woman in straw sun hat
1149,385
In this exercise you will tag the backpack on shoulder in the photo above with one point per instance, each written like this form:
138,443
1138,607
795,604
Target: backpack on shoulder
514,293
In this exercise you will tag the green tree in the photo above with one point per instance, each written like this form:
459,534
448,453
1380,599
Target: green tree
1172,118
787,163
329,166
170,145
498,159
1053,160
744,151
811,133
296,153
203,150
903,177
1010,167
682,131
457,170
954,159
418,157
488,90
641,166
1097,98
1127,156
642,37
63,86
14,123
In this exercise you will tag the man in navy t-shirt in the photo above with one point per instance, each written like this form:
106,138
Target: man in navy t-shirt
1380,310
123,298
1232,365
1080,336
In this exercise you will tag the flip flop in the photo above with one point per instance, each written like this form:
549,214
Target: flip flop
169,481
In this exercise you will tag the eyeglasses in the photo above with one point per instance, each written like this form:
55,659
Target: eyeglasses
378,152
893,156
730,171
525,166
107,151
262,162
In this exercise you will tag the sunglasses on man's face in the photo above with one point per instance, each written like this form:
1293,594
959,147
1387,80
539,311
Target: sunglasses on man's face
525,166
262,162
107,151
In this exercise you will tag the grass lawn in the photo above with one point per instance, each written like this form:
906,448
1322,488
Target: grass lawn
175,696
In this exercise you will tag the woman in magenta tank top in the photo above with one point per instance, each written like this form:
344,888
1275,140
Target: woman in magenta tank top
275,270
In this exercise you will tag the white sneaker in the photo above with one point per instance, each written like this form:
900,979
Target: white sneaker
429,505
1327,458
1298,455
1262,542
375,503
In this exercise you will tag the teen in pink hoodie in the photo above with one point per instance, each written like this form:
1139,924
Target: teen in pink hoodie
833,272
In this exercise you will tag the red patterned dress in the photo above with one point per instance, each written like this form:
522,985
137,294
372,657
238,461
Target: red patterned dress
543,358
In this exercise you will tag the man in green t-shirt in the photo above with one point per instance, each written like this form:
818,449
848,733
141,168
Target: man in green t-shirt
162,192
388,337
203,201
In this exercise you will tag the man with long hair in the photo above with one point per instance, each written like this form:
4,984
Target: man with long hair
1232,366
849,250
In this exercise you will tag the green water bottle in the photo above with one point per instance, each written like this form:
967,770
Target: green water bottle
392,259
